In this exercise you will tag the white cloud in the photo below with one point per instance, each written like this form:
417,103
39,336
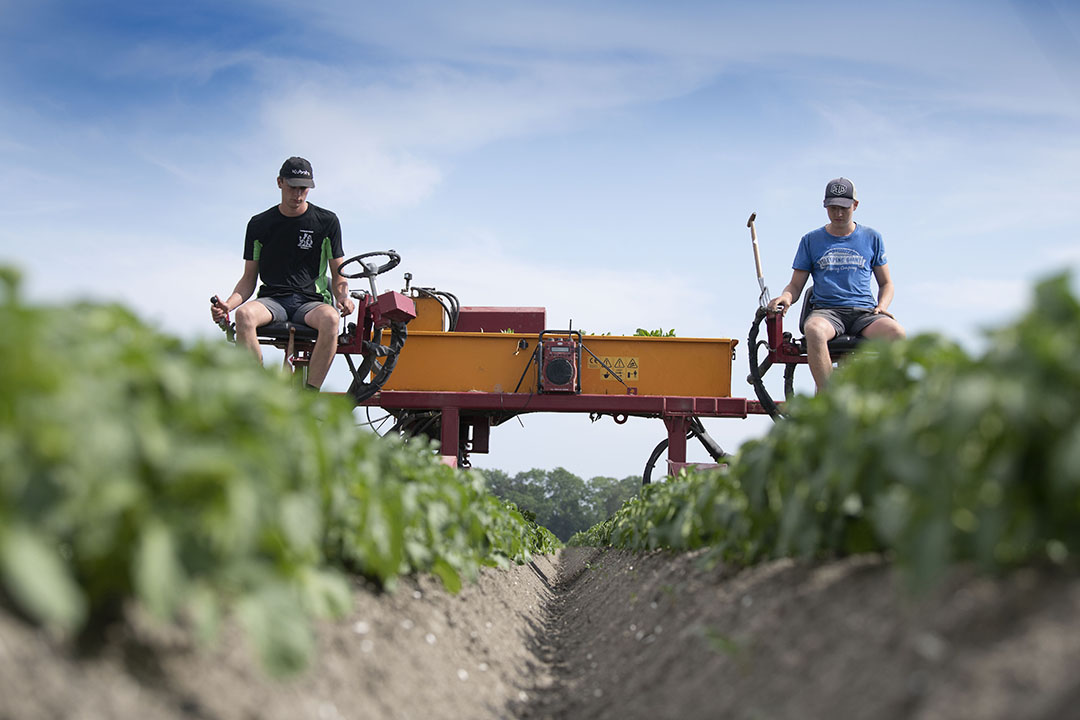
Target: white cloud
594,298
374,173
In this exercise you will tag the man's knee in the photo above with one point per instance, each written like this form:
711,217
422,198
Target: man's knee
324,319
885,329
818,330
252,315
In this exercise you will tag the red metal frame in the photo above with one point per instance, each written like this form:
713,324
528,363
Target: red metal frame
782,348
461,411
525,320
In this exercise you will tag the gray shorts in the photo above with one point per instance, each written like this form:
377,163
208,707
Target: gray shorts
289,307
847,321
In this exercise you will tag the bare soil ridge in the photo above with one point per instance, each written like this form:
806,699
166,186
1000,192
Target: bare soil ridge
607,634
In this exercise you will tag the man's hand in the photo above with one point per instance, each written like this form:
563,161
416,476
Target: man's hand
779,304
346,306
219,311
883,311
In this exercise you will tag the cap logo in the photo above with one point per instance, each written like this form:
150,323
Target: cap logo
839,189
299,171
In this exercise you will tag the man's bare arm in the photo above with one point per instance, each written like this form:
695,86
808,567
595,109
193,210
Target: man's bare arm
244,289
791,293
885,289
340,287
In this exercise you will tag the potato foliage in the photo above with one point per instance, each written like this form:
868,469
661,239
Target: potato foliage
917,448
189,480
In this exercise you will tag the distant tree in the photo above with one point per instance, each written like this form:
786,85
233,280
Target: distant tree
608,495
569,505
561,501
522,490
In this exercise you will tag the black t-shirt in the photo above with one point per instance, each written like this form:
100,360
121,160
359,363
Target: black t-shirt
294,252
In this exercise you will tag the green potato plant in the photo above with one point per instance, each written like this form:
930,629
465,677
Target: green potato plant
916,449
190,480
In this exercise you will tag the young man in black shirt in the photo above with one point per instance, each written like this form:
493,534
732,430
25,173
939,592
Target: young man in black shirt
291,247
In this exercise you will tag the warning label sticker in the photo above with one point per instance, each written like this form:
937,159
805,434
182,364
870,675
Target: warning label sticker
615,367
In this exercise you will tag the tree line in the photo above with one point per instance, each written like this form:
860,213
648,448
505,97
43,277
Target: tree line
561,501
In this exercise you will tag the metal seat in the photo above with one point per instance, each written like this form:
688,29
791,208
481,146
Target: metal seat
279,331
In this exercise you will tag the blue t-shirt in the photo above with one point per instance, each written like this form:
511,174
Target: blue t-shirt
841,266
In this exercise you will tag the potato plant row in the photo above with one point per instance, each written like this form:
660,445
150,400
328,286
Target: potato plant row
917,449
189,480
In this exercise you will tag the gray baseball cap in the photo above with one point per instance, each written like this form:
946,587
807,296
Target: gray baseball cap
840,191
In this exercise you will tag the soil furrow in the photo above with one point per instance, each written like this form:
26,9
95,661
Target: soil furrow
660,635
606,634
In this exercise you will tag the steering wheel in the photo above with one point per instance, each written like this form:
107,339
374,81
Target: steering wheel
370,271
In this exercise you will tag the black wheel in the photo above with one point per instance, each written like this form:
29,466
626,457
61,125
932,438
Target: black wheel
660,449
696,430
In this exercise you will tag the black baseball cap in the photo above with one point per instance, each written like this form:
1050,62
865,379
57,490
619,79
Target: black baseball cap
296,171
840,191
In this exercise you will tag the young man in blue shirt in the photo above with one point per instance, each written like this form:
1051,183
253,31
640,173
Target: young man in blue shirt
841,256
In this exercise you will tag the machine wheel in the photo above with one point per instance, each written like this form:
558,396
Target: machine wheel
696,430
658,451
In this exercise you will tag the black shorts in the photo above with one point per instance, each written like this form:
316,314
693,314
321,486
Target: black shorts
847,321
289,307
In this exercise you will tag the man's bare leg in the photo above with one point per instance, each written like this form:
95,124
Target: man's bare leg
884,328
249,318
819,332
325,319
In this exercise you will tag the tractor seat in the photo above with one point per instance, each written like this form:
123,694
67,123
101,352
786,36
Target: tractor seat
845,343
279,331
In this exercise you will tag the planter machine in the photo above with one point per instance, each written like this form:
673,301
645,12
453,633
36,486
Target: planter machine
451,373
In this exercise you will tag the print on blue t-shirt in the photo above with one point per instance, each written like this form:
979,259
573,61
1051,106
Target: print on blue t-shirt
841,266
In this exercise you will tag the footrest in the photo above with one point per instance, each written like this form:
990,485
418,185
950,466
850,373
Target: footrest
279,331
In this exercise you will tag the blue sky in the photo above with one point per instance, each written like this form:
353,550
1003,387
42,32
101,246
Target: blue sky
598,159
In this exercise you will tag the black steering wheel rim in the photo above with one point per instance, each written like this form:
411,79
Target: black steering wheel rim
394,260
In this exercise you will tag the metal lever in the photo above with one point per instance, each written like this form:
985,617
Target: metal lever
764,298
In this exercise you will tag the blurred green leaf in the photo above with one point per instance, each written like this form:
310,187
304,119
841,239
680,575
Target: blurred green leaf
38,580
159,579
281,631
192,480
450,577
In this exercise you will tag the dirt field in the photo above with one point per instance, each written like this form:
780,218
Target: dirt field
604,634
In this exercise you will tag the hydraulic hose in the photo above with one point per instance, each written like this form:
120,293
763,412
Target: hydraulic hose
360,389
758,369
